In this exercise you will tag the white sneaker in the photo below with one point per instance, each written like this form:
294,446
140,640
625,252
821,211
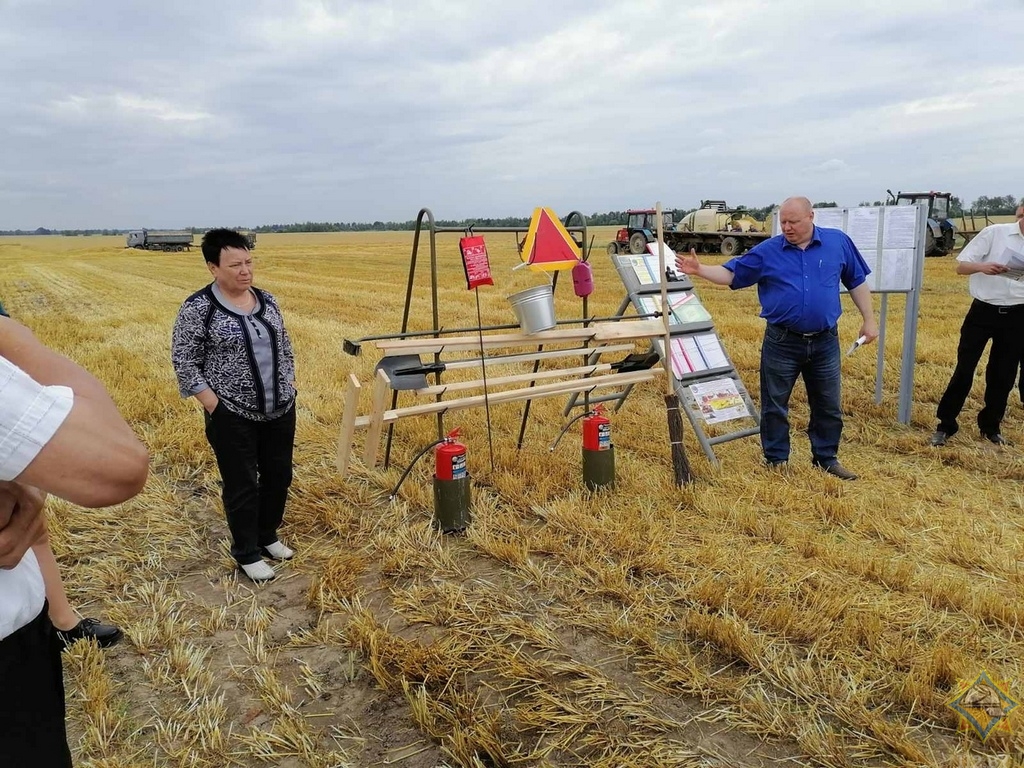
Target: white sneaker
279,551
259,571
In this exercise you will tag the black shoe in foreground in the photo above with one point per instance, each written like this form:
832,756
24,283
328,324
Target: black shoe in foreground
837,470
995,437
938,439
105,635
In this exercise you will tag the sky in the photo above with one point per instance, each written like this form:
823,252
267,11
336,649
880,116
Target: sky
118,114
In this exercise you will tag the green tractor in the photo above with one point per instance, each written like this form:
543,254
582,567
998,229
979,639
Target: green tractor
940,231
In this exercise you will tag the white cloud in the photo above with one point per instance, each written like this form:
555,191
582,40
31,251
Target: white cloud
126,106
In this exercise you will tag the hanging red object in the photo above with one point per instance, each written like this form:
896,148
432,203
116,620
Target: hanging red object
475,262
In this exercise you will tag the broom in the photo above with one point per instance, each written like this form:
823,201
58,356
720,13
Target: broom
680,464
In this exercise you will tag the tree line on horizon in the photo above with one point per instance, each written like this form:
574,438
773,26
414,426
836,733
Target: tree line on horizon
998,205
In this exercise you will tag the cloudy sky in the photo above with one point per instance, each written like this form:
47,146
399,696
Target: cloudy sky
186,113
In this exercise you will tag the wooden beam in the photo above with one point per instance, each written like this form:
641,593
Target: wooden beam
512,395
620,331
586,370
381,387
348,423
529,357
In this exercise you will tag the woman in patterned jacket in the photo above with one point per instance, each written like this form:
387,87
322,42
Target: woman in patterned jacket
231,352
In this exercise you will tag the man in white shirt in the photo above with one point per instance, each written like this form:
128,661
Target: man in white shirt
60,433
996,314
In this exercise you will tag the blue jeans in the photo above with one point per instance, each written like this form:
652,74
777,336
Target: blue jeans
784,357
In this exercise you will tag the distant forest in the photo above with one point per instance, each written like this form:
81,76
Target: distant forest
998,205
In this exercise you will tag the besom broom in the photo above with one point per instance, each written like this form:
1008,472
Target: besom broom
680,464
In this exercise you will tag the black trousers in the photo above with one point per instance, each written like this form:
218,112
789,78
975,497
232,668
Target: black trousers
32,732
255,462
1004,326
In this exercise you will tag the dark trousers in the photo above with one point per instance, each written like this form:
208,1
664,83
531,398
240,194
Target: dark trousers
784,357
1004,326
255,462
32,732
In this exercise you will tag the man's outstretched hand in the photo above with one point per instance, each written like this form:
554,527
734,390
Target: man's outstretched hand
688,263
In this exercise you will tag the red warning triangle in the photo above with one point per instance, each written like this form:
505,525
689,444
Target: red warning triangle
549,246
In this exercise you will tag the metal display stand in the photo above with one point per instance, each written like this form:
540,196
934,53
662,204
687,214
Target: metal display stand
639,295
893,244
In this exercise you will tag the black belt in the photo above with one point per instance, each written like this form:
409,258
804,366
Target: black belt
802,335
999,309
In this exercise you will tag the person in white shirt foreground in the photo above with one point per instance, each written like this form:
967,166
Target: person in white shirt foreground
60,433
996,314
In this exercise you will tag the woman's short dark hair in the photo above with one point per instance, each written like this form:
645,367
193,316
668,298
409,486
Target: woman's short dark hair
216,240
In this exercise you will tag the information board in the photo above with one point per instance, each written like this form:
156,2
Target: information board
890,238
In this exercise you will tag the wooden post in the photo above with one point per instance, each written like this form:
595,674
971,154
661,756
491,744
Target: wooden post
380,400
348,424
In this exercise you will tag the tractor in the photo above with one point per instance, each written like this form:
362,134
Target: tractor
940,230
640,229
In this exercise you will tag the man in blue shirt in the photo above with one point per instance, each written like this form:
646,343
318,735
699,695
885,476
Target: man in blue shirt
797,275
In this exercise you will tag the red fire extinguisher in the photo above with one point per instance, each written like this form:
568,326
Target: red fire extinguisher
450,458
597,431
598,451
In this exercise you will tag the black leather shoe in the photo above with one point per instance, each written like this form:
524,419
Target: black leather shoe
105,635
995,437
838,470
938,439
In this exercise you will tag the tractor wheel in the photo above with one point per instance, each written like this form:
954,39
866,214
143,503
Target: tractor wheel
638,243
948,239
613,248
929,243
730,246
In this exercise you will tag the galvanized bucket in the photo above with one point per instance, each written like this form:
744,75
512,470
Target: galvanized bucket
535,308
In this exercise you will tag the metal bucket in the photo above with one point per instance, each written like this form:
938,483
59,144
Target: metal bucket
535,308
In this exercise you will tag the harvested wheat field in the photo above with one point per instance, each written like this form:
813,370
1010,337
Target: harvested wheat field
755,618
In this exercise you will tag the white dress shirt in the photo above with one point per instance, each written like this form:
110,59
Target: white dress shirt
995,244
30,414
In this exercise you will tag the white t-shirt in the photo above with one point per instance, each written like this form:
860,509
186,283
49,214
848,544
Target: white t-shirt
29,416
997,244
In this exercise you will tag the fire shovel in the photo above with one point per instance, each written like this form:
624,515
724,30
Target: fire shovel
407,371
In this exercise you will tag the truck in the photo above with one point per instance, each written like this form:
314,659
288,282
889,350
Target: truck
712,228
159,239
940,231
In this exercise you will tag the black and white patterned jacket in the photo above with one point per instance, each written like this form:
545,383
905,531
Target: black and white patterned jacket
211,346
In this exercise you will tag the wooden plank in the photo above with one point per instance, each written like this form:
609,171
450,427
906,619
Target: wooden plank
381,387
498,381
627,329
515,395
591,353
631,329
348,424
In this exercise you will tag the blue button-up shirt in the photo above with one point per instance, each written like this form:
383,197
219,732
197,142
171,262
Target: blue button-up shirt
799,289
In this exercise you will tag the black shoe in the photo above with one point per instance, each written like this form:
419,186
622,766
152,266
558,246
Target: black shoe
105,635
837,470
938,439
995,437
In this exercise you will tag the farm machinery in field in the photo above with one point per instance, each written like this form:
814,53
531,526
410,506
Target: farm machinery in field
159,240
712,228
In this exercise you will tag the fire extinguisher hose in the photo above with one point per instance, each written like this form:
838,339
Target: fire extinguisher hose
565,429
408,469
